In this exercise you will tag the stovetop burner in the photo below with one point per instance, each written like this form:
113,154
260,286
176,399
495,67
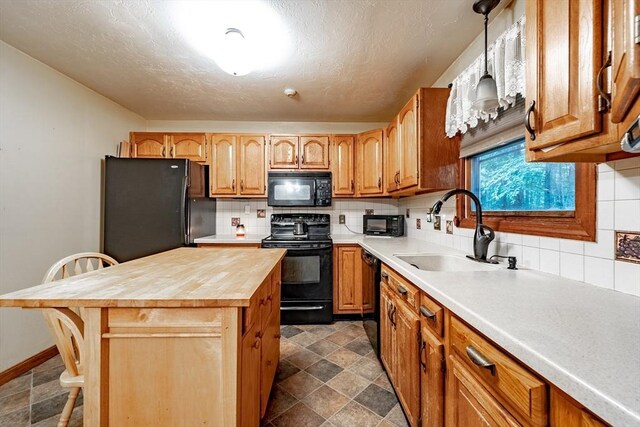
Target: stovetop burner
317,227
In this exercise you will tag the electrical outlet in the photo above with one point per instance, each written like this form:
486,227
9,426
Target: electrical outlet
247,209
407,213
341,219
418,224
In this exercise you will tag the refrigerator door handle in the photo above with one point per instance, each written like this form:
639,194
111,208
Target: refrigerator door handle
183,210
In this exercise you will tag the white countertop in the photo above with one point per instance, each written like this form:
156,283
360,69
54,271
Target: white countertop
231,238
583,339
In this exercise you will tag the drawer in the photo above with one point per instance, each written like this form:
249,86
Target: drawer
503,376
404,290
432,315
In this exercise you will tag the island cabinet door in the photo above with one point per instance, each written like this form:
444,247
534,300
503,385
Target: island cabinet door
250,377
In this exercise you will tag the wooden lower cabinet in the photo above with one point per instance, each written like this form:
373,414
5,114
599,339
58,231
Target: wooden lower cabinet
250,381
352,281
432,374
469,404
407,370
387,334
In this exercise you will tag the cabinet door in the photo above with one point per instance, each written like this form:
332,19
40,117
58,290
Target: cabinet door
625,58
392,148
368,294
251,164
407,375
283,152
387,332
469,404
148,145
369,163
431,380
223,165
408,136
190,146
250,377
348,281
343,165
564,54
567,413
314,152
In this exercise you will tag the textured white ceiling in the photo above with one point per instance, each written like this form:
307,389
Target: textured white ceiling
351,60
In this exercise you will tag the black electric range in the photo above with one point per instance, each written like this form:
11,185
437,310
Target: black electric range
307,269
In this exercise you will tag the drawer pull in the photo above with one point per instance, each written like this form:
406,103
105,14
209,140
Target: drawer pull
427,313
402,290
423,347
393,315
384,275
478,359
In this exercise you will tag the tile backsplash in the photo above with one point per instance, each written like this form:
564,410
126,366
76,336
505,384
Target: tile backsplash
353,209
618,208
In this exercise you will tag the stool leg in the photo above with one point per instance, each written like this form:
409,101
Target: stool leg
68,407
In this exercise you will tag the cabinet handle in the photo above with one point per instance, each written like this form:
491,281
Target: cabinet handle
423,347
296,161
242,185
379,182
393,315
302,159
256,344
171,151
384,275
277,336
427,313
402,290
352,186
605,98
527,121
164,151
233,185
478,359
270,298
396,178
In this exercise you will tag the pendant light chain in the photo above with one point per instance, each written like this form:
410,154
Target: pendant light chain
486,43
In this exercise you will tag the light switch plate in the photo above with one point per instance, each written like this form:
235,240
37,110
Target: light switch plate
247,209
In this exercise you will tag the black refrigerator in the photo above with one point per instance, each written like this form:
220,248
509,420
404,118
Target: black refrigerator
153,205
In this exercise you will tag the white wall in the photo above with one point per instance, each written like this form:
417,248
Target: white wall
53,134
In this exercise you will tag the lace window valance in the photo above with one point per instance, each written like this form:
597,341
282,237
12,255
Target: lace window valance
506,65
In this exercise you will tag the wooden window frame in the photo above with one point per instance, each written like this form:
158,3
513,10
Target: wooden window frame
577,225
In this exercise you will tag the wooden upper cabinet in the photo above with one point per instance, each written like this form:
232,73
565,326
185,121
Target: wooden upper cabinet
251,165
625,58
343,165
392,156
314,152
192,146
148,145
222,174
369,163
564,54
283,152
408,133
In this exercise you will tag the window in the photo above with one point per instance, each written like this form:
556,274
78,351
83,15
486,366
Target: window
506,183
543,199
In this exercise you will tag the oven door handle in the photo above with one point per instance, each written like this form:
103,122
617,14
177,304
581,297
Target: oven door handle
303,308
290,249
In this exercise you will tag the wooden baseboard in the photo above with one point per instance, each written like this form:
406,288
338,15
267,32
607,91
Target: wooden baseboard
27,365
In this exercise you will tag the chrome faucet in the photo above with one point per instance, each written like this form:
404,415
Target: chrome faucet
480,239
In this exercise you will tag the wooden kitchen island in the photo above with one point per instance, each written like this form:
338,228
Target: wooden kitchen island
186,337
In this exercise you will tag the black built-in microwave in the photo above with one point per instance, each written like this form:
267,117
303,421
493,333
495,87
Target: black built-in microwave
383,225
299,189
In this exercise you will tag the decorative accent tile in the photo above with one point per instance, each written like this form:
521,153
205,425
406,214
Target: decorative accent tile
449,226
235,221
628,246
261,213
368,211
437,222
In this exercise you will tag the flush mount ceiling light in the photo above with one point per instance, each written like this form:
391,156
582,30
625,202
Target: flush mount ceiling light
486,91
240,36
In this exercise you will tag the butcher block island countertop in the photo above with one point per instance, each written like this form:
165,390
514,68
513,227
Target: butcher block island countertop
184,277
188,337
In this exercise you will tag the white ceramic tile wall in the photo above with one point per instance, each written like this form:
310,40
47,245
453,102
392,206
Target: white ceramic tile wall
618,208
353,209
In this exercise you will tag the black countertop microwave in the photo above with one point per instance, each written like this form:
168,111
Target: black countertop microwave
299,189
383,225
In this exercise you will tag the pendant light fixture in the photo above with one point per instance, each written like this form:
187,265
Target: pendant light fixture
486,91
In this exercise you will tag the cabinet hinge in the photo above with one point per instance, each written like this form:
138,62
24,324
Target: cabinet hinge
636,27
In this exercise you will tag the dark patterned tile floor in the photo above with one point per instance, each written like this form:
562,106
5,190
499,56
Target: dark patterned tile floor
328,376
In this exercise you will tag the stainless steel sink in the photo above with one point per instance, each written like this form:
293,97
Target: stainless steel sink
437,262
